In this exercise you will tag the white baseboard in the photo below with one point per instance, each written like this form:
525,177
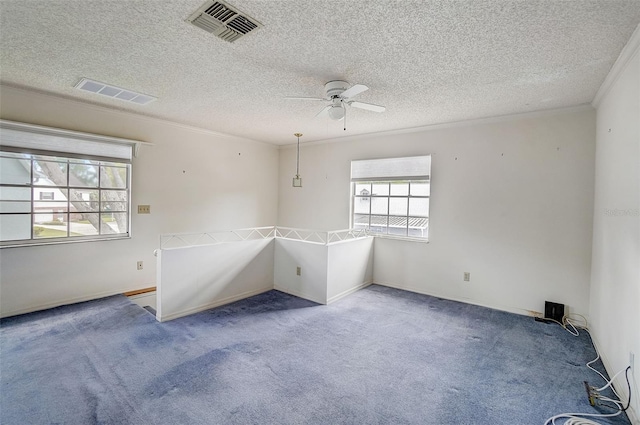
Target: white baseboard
213,304
348,292
298,294
514,310
66,301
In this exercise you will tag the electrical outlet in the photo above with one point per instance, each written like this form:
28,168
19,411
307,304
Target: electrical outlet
467,276
631,360
144,209
299,271
139,265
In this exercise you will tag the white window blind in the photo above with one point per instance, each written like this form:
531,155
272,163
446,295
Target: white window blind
407,168
15,136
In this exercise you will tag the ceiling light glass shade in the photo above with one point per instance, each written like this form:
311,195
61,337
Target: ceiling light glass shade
336,112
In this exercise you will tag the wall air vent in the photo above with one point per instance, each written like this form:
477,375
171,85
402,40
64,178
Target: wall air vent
114,92
223,20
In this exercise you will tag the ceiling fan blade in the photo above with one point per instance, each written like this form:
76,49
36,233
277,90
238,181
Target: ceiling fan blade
303,98
323,111
368,106
353,90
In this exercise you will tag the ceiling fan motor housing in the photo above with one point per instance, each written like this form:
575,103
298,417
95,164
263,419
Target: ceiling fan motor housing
335,88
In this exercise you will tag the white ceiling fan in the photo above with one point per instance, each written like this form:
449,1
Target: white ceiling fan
340,94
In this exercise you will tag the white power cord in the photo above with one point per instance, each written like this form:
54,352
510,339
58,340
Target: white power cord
582,418
573,419
580,421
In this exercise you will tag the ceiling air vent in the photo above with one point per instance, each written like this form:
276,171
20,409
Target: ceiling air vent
115,92
223,20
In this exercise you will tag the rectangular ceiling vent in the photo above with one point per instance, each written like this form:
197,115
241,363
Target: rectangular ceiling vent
223,20
114,92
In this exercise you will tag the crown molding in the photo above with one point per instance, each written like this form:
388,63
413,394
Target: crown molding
28,91
628,52
452,124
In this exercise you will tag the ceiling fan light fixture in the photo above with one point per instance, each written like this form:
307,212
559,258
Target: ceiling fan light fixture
336,112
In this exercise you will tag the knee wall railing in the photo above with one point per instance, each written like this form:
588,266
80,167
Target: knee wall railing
198,271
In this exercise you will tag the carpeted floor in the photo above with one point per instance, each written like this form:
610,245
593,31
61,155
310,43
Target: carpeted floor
379,356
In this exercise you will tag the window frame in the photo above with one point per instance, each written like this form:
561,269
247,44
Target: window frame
15,143
389,180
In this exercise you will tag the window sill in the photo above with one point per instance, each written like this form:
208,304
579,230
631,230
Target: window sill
401,238
22,244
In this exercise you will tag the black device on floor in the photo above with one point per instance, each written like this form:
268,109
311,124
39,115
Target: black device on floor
553,311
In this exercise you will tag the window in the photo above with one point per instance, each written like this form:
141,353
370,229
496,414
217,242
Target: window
391,196
58,195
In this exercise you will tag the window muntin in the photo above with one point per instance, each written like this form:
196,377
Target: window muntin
392,210
391,196
53,198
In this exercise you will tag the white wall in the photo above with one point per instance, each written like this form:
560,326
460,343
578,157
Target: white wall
194,181
512,203
312,260
615,278
197,278
349,267
328,272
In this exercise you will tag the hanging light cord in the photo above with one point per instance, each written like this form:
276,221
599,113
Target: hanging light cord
298,155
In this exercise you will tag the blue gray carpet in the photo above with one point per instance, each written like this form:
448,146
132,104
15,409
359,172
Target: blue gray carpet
379,356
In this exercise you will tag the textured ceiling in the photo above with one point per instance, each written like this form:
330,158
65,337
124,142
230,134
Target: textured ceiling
428,62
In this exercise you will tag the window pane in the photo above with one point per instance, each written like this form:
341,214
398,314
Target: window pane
49,173
381,189
361,220
379,205
398,226
84,200
418,226
114,195
399,189
15,206
15,227
379,223
361,205
83,224
420,188
83,174
50,225
117,222
15,193
398,206
362,189
419,207
113,177
114,206
15,171
50,196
